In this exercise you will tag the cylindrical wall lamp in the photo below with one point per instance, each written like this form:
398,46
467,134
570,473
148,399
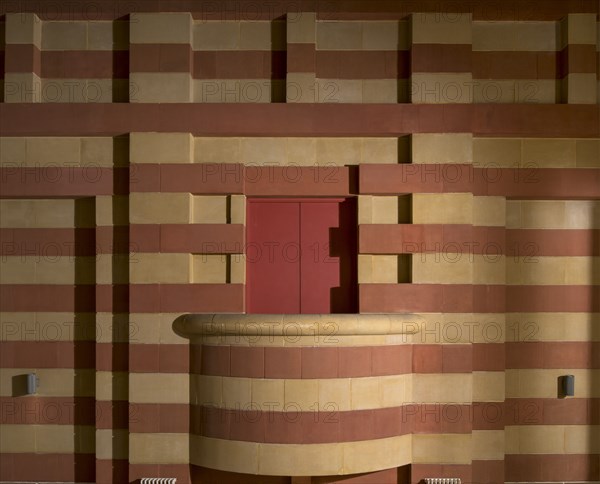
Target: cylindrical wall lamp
567,385
32,383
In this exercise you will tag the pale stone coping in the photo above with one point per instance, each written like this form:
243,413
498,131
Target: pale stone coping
194,325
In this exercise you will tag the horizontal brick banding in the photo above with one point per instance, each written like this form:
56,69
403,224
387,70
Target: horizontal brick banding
50,243
92,119
58,298
55,181
161,57
488,357
461,298
192,238
552,467
577,58
421,238
85,64
273,426
36,410
159,418
552,411
440,57
194,298
515,65
551,354
552,299
301,57
343,64
301,181
159,358
488,471
47,354
47,467
305,362
230,178
523,183
344,10
454,358
450,298
245,64
22,58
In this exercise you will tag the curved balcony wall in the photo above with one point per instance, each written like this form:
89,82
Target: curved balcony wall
300,395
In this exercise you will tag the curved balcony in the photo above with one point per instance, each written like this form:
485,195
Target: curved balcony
300,395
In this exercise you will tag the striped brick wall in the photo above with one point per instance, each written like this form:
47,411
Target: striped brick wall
130,140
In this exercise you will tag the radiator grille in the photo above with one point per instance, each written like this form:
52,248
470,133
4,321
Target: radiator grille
159,480
442,480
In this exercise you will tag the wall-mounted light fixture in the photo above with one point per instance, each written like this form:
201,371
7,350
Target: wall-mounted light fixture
32,383
567,385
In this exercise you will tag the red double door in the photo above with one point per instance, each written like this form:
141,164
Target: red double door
301,256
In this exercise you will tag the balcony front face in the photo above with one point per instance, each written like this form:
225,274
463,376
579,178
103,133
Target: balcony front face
300,395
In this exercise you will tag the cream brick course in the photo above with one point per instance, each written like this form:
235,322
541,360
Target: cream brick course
160,268
161,147
161,87
514,36
159,388
445,208
384,35
161,28
488,386
489,211
210,269
382,91
217,150
441,28
442,148
47,439
339,35
587,153
488,444
442,388
216,35
540,383
23,28
261,35
442,448
301,28
64,35
210,209
160,208
578,28
552,326
155,448
54,382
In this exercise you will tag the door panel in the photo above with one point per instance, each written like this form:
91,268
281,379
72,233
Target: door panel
307,261
272,255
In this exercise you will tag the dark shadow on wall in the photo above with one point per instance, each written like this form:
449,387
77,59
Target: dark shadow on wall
278,59
121,327
84,348
343,244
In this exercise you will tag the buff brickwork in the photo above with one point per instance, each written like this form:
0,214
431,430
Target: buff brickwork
133,134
